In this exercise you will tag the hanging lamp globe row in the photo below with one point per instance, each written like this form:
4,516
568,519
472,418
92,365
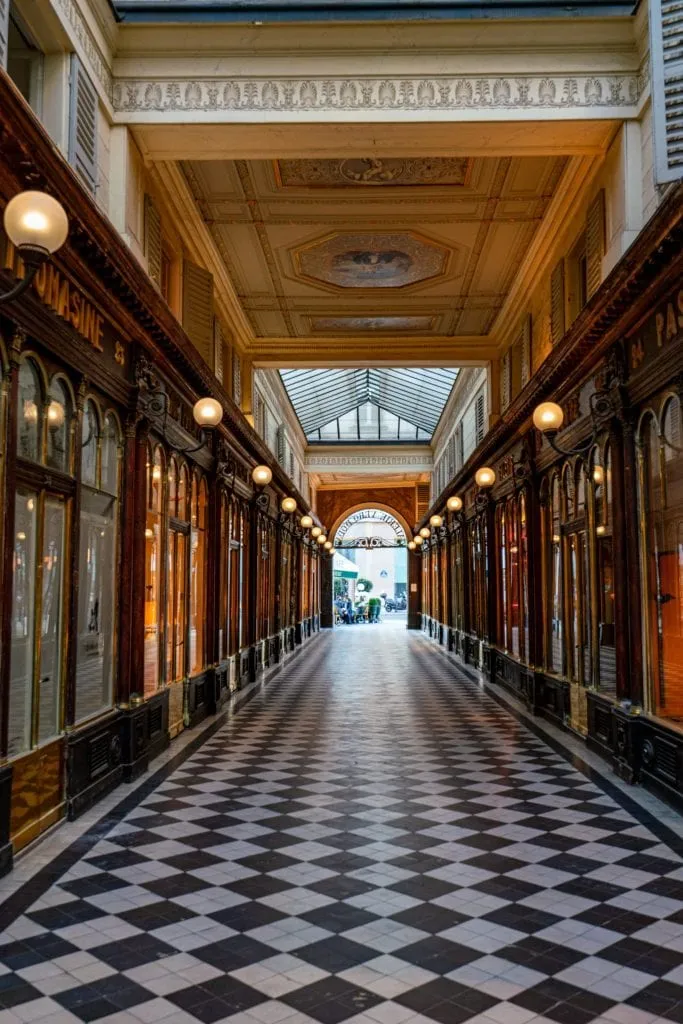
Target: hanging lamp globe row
425,532
548,416
261,475
207,412
417,539
436,521
454,503
306,522
288,505
35,220
485,477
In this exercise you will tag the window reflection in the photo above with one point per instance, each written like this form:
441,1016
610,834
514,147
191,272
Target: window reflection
29,413
662,508
153,524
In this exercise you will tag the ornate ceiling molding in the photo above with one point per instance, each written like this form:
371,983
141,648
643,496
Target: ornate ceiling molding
585,95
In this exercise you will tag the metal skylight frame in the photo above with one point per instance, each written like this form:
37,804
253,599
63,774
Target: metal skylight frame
414,395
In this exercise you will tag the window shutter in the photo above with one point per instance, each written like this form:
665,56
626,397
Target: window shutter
83,125
526,349
421,500
460,452
153,240
198,309
595,242
479,418
557,303
281,446
505,382
236,378
291,464
218,345
4,32
666,55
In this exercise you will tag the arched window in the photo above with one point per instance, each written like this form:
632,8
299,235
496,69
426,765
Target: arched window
601,475
523,577
95,653
90,436
661,456
198,576
555,564
29,413
153,568
177,579
58,424
39,580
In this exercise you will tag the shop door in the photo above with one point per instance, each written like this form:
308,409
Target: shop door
37,663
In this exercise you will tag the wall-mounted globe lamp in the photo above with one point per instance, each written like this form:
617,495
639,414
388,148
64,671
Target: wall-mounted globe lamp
411,545
436,521
417,539
454,503
261,475
37,226
288,505
306,522
316,532
485,478
425,532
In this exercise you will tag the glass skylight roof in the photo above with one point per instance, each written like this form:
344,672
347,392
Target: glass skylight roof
366,405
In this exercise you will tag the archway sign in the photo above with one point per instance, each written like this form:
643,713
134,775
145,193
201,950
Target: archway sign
370,528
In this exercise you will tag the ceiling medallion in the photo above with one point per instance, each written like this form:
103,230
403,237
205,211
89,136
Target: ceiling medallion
372,259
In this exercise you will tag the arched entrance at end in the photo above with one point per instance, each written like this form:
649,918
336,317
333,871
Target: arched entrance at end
370,561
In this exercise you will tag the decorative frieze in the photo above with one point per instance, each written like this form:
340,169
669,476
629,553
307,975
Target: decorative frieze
446,93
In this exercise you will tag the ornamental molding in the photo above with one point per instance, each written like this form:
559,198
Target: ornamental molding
314,462
594,94
83,35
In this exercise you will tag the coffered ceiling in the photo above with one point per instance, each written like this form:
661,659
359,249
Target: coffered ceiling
332,248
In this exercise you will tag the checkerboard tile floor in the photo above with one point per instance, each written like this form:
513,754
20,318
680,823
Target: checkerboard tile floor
371,840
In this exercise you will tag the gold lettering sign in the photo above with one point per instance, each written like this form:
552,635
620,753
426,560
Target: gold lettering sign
662,329
67,301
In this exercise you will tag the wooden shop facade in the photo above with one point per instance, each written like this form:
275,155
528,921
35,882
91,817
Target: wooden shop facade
563,582
144,579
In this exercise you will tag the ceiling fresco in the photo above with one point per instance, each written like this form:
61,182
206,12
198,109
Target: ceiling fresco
372,260
426,246
370,324
372,171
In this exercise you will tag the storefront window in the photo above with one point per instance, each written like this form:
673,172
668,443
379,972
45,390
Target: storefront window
662,512
524,578
458,582
153,556
503,617
58,422
39,564
198,576
513,580
602,489
95,655
555,560
177,571
29,413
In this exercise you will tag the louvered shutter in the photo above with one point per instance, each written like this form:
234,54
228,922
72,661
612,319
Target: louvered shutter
666,55
218,346
557,303
4,32
595,242
422,500
198,309
460,453
236,378
291,464
83,125
505,380
153,240
281,446
526,349
479,418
